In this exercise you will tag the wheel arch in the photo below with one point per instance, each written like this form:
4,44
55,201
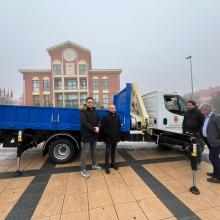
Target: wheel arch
56,136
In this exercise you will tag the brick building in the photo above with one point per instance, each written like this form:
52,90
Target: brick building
204,95
70,79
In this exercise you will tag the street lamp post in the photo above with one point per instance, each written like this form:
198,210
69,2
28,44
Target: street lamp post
190,61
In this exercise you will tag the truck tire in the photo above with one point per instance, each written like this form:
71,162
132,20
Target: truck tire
62,151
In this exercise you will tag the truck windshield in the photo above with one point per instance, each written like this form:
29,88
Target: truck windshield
175,104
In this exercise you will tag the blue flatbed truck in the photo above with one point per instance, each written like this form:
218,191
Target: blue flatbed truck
25,127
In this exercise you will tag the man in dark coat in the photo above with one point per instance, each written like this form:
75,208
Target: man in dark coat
192,123
111,128
89,134
193,119
211,134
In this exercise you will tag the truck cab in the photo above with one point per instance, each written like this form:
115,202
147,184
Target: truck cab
166,114
165,110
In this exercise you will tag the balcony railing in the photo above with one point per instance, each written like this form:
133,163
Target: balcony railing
71,104
57,87
46,103
36,103
46,89
83,87
70,87
59,103
36,90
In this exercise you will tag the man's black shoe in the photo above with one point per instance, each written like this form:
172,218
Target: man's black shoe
213,180
114,166
210,174
107,171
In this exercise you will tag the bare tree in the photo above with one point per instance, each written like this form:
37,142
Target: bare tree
6,97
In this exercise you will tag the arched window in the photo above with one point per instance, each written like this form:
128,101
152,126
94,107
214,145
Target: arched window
35,84
95,83
96,99
46,100
46,84
105,83
105,100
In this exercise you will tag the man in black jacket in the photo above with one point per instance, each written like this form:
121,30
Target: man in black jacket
193,119
111,127
89,134
192,124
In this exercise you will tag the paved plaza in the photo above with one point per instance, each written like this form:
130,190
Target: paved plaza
150,184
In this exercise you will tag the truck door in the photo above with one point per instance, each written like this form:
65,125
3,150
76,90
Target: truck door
173,111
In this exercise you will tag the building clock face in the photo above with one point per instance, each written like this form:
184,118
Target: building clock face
69,55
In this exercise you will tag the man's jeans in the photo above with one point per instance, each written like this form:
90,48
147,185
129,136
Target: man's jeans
84,153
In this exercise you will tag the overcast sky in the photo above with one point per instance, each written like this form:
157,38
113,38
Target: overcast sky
148,39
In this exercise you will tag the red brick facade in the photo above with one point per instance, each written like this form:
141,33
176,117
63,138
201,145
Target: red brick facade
113,84
70,79
204,96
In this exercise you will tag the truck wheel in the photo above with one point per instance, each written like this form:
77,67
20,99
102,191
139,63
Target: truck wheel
62,151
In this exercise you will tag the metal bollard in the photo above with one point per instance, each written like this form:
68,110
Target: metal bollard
194,155
19,152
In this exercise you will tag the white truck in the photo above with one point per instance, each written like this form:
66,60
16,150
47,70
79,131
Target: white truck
166,112
160,115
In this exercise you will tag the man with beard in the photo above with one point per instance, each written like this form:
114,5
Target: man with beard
193,123
193,119
89,119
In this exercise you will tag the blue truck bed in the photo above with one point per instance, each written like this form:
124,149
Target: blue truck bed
49,118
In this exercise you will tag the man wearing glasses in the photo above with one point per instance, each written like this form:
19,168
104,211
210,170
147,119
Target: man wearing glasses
89,134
